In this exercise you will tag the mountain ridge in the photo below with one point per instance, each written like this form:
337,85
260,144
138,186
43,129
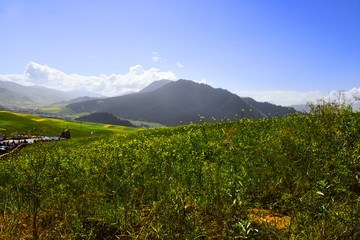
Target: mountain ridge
14,94
155,85
179,102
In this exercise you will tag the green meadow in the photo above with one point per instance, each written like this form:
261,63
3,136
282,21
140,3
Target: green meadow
296,177
15,123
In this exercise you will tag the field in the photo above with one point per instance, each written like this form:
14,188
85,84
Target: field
296,177
15,123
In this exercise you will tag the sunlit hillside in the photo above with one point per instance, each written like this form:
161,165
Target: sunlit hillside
16,123
281,178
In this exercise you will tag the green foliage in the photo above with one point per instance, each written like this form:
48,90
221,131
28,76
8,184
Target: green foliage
296,178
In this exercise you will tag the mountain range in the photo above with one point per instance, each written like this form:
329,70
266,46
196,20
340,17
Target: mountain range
167,102
13,94
181,102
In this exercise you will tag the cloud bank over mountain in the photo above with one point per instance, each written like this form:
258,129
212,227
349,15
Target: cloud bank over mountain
108,85
279,97
137,78
288,98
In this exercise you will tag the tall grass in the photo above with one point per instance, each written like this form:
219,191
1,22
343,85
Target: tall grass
296,177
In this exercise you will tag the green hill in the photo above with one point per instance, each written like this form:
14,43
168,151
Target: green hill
106,118
15,123
291,178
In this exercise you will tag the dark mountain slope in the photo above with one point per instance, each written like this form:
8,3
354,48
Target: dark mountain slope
182,100
269,108
155,85
106,118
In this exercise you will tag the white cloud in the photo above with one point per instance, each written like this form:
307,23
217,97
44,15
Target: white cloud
280,97
18,78
112,85
287,98
155,56
179,65
203,80
137,78
348,95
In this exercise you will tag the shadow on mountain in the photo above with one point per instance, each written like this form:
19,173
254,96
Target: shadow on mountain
180,102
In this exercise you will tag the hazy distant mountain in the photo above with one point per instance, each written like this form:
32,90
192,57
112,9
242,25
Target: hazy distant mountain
180,101
356,106
106,118
75,100
85,93
2,108
13,94
306,108
82,99
301,107
270,109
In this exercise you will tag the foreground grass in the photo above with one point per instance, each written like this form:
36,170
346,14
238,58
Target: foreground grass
290,178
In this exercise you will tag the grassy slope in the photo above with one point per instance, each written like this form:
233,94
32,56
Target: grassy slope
59,108
224,180
63,110
12,123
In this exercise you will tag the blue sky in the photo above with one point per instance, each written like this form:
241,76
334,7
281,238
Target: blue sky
281,51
